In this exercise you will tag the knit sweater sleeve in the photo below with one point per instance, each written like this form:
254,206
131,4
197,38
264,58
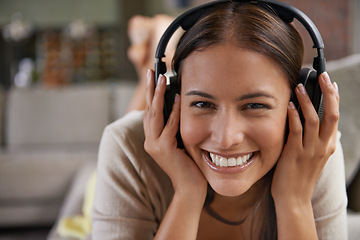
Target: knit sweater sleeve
132,192
329,200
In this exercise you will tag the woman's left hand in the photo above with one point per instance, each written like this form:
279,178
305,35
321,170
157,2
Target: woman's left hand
308,147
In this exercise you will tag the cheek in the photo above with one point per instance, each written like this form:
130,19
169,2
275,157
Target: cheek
193,131
271,136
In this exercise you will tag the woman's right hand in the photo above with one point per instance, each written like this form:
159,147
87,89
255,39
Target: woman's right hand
161,142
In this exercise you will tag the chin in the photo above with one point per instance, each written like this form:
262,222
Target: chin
229,188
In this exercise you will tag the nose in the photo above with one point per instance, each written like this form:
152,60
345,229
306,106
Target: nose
227,129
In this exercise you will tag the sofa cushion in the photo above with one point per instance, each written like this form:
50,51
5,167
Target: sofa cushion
31,175
69,115
34,182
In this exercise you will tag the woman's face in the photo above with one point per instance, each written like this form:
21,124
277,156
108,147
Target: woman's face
233,115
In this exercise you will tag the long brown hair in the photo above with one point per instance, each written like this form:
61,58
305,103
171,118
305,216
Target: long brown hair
257,28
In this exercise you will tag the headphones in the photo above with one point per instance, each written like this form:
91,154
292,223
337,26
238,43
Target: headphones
308,77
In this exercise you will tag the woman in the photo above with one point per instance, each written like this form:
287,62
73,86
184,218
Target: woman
248,170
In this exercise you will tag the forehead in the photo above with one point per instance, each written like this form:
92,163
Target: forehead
228,65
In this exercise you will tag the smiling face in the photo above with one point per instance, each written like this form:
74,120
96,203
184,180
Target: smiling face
233,115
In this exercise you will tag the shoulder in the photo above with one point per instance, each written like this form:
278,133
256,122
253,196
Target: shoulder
122,145
129,127
132,191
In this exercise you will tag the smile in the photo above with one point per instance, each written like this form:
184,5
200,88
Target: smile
230,162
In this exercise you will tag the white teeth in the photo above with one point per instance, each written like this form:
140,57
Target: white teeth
229,162
217,160
239,161
223,162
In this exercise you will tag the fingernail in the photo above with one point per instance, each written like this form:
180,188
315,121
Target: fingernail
336,86
301,88
291,105
325,77
148,74
161,79
177,97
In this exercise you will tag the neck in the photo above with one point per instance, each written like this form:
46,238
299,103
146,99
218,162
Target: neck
235,209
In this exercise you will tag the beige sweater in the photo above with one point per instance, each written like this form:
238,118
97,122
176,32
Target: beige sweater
133,193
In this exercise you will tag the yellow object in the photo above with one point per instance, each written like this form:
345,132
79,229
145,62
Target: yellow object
79,226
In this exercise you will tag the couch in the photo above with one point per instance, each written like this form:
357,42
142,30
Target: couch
47,135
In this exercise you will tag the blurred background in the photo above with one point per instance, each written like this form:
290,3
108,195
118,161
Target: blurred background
65,74
77,41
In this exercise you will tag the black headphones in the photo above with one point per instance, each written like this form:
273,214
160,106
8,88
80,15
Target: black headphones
308,77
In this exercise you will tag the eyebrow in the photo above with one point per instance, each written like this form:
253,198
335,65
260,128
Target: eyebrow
255,95
241,98
200,94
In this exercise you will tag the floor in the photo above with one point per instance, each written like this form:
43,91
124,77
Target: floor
39,233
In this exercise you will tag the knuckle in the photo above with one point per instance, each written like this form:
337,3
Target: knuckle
318,154
321,153
332,149
333,118
325,152
150,148
297,130
313,121
152,112
147,146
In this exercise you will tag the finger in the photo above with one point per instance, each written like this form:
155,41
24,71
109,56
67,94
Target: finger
150,86
329,123
312,122
156,116
294,140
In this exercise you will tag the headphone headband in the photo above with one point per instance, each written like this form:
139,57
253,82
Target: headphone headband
286,12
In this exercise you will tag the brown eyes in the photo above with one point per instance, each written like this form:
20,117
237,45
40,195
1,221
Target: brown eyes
203,104
247,106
